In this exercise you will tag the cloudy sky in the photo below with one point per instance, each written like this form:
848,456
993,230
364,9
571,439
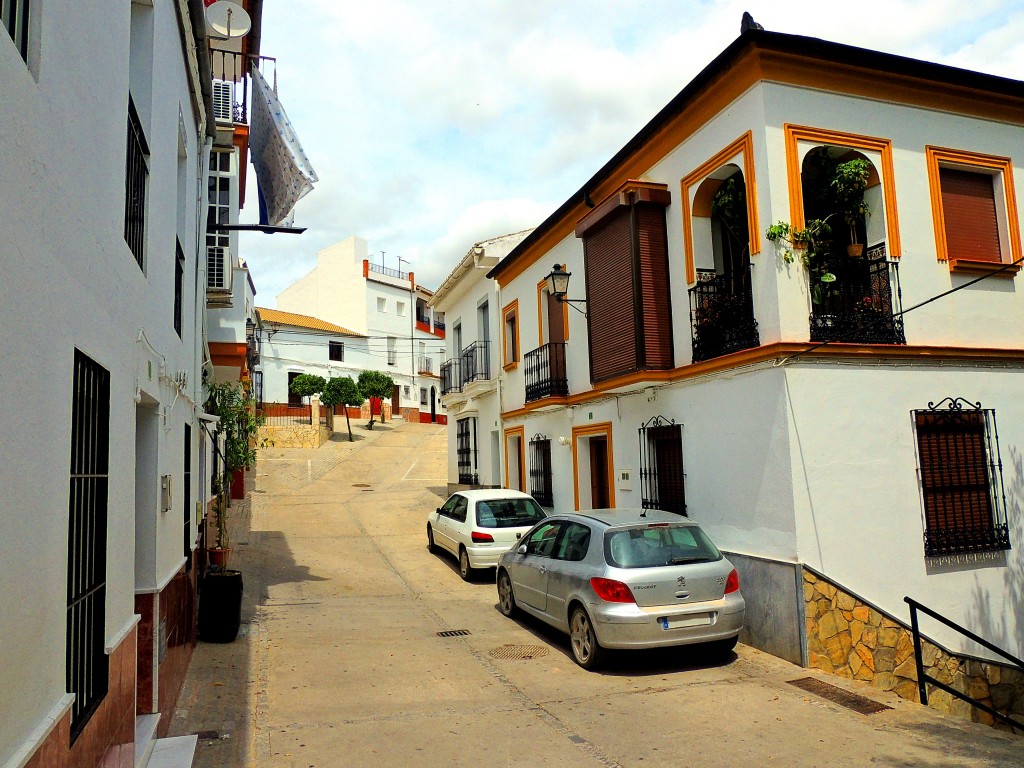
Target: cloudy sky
433,125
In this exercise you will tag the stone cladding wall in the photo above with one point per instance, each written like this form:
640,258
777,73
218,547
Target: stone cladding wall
851,639
294,436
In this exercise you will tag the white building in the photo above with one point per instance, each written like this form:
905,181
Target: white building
106,121
405,339
470,375
844,455
293,344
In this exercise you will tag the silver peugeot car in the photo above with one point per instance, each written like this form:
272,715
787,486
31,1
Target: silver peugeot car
623,578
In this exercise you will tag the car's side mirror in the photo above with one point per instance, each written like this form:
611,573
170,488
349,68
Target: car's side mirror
522,549
438,510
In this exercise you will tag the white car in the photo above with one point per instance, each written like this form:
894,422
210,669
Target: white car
477,526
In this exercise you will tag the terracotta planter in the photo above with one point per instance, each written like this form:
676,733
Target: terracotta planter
855,249
218,556
238,484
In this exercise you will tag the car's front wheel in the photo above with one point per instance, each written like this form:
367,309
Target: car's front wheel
465,569
431,546
585,649
506,600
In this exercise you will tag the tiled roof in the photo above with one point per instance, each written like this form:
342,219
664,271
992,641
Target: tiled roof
276,316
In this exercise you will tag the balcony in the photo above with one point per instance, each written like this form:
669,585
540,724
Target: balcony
231,83
451,376
863,305
476,362
721,315
545,372
219,273
425,366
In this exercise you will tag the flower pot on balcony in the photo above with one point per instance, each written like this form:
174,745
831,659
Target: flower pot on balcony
220,606
855,249
238,484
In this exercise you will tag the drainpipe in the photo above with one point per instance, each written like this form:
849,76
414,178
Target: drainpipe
197,14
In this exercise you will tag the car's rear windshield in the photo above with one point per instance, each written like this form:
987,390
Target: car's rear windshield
650,546
508,513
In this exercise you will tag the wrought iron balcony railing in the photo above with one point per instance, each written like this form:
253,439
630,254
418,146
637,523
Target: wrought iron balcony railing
721,315
451,380
231,71
438,324
476,362
545,372
864,304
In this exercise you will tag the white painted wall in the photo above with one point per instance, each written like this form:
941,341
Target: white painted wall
70,281
334,289
302,350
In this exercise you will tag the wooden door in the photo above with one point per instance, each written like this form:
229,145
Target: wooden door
396,401
599,498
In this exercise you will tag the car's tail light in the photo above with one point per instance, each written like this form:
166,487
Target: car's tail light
481,538
612,591
732,584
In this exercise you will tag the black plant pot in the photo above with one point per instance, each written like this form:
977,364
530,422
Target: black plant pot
220,606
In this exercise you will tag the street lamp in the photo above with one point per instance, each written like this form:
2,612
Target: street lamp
558,285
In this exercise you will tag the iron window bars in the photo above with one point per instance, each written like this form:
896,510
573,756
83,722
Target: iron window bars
662,479
476,362
540,470
136,175
15,19
961,475
86,659
466,451
451,376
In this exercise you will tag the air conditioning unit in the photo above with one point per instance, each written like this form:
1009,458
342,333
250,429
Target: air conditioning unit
223,101
218,268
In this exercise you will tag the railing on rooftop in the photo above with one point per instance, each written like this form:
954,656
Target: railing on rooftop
380,269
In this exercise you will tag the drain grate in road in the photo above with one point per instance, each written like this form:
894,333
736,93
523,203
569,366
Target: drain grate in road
849,700
518,652
453,633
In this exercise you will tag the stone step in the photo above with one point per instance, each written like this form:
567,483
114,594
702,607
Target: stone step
174,752
145,738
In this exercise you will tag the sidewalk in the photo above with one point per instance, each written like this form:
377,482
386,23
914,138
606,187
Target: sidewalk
360,648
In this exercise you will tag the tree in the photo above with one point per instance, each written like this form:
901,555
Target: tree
341,390
307,385
375,385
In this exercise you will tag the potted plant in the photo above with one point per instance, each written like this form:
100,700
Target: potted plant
811,245
849,180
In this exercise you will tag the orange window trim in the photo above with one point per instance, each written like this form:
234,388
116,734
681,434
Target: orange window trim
797,133
541,306
511,433
510,310
755,65
744,145
939,156
593,430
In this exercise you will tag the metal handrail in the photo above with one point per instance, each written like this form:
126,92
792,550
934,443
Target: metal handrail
923,679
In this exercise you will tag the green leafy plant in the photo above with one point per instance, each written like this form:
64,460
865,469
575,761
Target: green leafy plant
375,385
341,390
812,244
307,385
849,180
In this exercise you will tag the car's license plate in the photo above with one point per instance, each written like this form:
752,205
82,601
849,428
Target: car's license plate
689,620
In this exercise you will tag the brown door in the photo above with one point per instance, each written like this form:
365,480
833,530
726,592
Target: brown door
396,402
599,473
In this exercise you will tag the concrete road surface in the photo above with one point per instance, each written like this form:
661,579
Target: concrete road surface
341,661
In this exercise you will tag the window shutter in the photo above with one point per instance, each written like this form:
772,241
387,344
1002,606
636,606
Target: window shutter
969,213
954,471
655,300
611,318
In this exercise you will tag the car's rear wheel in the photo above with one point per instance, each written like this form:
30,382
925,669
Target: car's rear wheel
506,600
585,649
431,546
465,569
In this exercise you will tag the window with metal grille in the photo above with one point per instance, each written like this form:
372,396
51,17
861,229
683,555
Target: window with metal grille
186,495
540,470
423,396
662,477
135,181
336,351
961,478
86,659
15,17
179,285
465,441
392,350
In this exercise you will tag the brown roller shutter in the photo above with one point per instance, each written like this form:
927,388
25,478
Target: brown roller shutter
969,212
954,471
611,320
655,298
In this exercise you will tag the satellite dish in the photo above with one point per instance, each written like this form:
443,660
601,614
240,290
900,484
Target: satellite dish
227,19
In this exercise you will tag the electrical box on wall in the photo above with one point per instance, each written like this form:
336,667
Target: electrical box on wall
625,479
166,482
